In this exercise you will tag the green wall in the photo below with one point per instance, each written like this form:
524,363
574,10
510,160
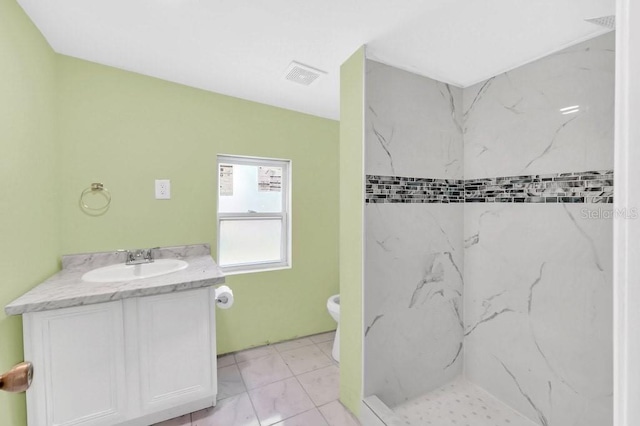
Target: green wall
28,218
126,130
351,227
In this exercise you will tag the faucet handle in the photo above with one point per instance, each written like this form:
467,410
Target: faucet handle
127,252
129,255
149,253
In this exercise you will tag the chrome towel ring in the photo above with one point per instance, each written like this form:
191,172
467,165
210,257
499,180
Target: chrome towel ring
95,188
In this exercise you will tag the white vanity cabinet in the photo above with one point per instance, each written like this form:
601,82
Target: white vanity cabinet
80,374
173,351
135,361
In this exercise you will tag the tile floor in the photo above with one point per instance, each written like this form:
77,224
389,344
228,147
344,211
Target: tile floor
292,383
459,403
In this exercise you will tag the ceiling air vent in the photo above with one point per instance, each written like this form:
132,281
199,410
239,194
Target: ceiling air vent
604,21
302,74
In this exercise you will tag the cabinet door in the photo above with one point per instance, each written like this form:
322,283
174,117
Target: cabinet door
176,348
78,356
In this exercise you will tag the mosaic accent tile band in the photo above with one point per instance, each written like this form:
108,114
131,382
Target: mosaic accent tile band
573,187
398,189
577,187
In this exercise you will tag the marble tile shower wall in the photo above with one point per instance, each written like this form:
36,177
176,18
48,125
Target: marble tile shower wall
538,310
552,115
534,325
413,253
538,278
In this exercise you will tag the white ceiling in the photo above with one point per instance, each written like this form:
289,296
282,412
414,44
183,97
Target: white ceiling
242,48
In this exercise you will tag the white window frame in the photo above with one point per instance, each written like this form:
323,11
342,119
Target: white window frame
284,216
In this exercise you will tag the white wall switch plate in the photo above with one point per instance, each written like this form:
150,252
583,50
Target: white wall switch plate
163,189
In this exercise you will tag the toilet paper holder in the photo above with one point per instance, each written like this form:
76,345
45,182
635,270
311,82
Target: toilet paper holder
223,297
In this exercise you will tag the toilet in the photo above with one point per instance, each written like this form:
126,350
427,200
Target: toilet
333,306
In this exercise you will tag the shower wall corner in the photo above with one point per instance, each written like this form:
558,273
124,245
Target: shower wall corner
488,236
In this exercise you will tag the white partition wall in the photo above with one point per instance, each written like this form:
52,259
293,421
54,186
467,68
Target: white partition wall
627,232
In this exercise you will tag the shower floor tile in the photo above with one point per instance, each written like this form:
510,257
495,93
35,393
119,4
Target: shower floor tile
459,403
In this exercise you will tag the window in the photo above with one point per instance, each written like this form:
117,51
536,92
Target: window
254,231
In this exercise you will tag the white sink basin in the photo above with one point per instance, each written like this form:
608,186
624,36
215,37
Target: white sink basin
123,272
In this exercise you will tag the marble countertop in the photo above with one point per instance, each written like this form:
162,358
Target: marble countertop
66,288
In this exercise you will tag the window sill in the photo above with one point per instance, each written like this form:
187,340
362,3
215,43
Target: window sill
251,271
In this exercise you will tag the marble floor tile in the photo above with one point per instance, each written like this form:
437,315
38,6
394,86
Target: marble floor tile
323,385
254,353
230,382
178,421
293,344
323,337
305,359
308,418
326,348
226,360
234,411
337,415
262,371
279,401
276,385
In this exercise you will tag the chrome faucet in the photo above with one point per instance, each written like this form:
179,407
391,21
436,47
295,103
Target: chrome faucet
138,256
